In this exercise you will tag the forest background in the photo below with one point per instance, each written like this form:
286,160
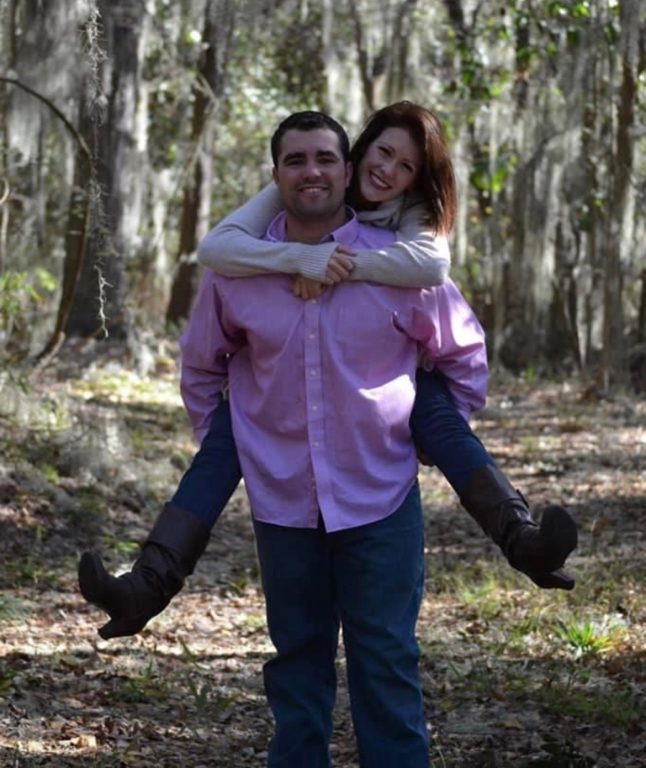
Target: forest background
127,129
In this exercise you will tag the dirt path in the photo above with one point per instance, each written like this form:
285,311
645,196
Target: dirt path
513,676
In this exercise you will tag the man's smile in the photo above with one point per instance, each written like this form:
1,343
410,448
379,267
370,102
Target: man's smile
313,189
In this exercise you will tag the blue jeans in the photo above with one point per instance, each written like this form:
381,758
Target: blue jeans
214,474
440,432
369,581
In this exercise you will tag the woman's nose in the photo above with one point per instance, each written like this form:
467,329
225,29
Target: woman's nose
388,167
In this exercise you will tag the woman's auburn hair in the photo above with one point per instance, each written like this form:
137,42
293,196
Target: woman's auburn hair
435,183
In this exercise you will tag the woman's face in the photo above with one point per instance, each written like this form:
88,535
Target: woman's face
390,166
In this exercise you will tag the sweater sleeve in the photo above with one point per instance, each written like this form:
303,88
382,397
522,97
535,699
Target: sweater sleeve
235,248
419,258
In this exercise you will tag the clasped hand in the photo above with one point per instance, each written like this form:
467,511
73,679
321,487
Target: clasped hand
338,269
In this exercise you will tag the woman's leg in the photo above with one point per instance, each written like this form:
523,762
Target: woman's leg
176,541
300,681
443,436
214,474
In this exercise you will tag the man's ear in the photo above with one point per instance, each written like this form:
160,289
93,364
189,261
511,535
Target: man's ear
349,170
274,174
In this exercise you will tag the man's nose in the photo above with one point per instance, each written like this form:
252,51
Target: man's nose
312,170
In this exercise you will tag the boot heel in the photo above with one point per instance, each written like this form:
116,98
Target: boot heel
559,535
92,577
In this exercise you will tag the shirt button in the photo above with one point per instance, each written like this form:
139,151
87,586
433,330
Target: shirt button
315,407
312,335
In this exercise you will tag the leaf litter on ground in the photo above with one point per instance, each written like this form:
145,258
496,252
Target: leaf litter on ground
513,676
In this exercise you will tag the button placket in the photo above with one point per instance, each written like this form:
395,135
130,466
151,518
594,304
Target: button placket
315,407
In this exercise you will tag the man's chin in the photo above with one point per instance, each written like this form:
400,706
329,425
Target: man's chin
315,209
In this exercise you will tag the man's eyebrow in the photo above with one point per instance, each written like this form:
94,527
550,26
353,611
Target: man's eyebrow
324,153
327,153
293,156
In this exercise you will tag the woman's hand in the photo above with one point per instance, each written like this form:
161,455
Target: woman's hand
340,264
338,268
305,288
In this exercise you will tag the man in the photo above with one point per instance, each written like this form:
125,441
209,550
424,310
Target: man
321,393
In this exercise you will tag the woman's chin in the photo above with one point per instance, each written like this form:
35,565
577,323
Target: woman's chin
374,197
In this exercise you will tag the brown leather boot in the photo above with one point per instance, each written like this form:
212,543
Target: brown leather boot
502,513
169,554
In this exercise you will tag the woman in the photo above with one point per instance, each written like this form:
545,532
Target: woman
403,180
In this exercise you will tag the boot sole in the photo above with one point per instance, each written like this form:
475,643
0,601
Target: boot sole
560,536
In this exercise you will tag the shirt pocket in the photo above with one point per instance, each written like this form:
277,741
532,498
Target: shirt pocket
368,339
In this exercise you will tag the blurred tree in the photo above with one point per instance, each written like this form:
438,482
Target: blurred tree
619,229
219,24
113,125
542,102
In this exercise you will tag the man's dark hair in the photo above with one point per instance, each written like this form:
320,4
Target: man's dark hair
309,121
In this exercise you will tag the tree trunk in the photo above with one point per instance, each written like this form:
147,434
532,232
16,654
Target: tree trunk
614,360
4,160
99,301
208,89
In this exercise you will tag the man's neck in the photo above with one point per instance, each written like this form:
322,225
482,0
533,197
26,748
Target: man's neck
312,232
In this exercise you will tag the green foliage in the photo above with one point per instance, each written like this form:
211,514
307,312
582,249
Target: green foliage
7,675
562,754
589,703
11,607
484,595
147,686
21,293
297,55
588,637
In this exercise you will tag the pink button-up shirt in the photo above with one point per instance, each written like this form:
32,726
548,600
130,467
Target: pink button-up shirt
321,391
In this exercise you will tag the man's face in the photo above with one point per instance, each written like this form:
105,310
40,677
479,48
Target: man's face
311,174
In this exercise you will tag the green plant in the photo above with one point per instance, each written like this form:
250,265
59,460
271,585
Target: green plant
588,637
121,547
10,608
145,687
18,295
591,703
7,675
201,689
563,755
485,596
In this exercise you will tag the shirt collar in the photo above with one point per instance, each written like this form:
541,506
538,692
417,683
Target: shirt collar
346,233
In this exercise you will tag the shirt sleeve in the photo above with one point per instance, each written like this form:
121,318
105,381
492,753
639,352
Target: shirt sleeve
453,341
417,259
235,248
206,345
